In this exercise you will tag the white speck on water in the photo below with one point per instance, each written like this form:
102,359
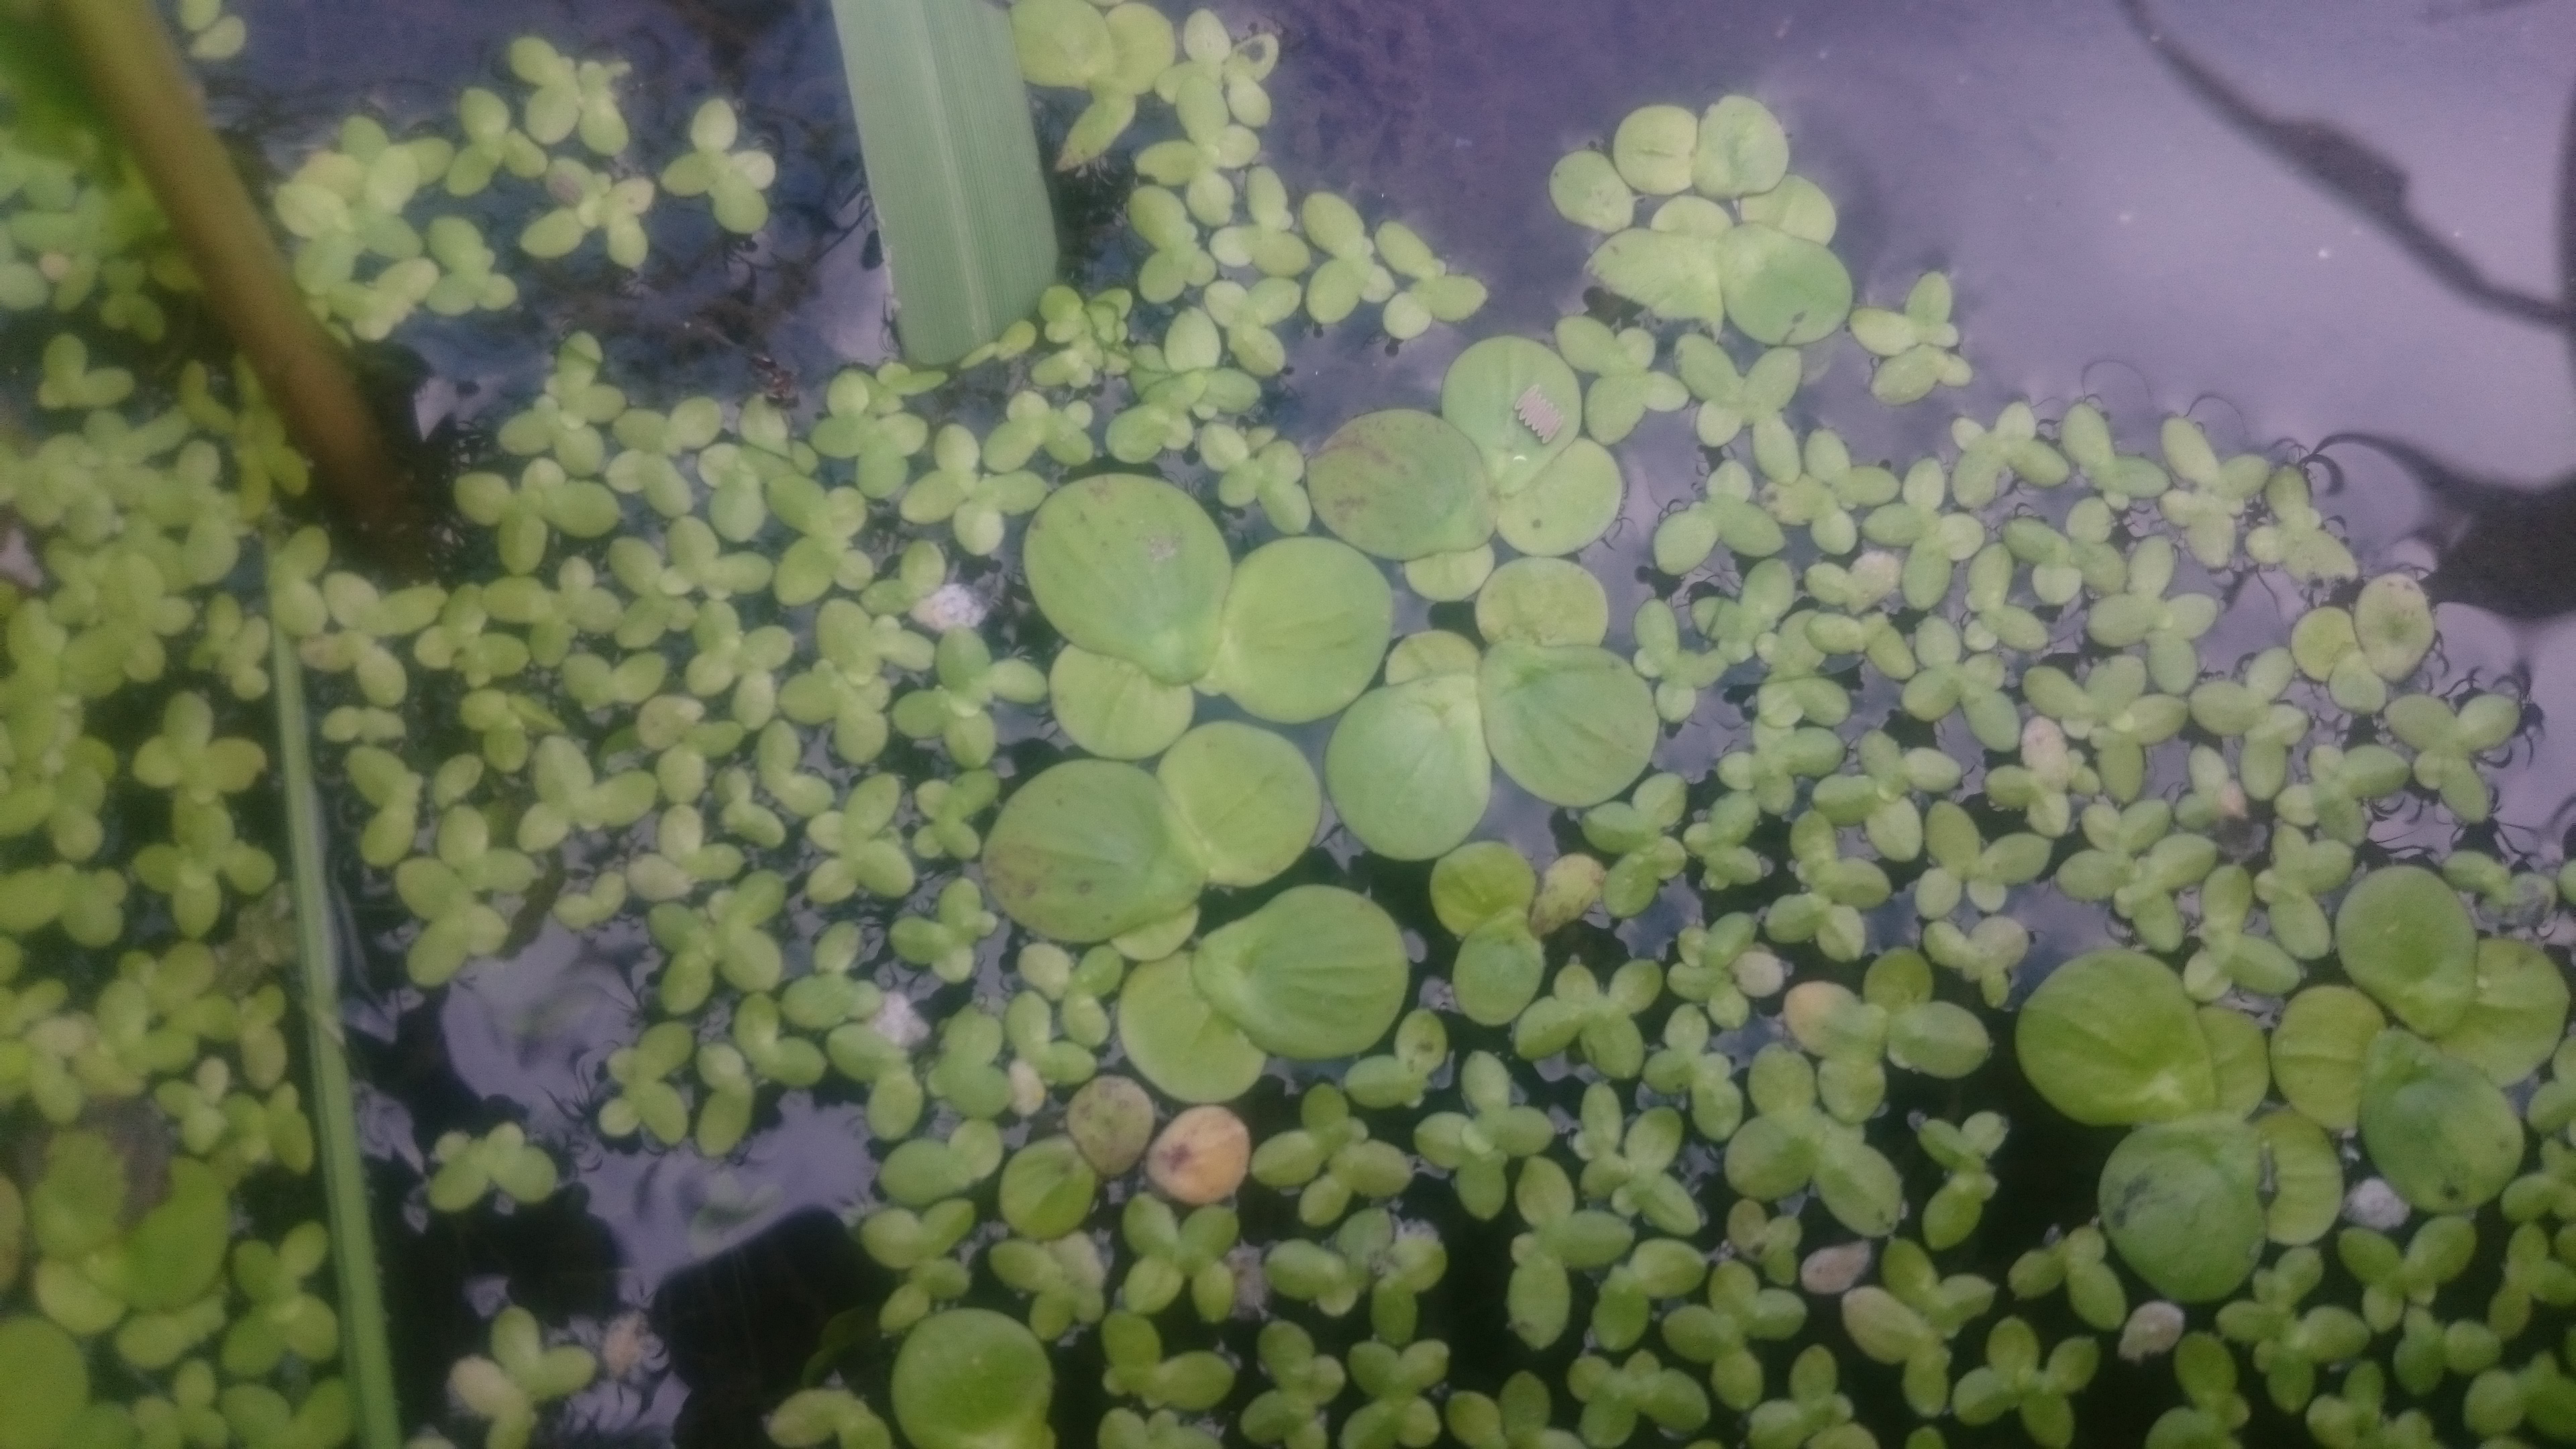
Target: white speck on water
2153,1329
950,606
898,1023
2374,1204
1832,1271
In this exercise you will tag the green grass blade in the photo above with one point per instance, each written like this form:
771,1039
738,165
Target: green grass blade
952,160
366,1359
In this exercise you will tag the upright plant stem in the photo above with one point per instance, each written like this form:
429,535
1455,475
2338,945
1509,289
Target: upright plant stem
137,78
364,1354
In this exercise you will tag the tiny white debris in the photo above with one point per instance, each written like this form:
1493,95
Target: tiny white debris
2153,1329
898,1023
2044,752
1251,1283
1878,573
2374,1204
950,606
1829,1272
1028,1090
1758,973
1538,414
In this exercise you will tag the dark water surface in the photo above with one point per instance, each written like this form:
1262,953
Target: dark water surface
2110,230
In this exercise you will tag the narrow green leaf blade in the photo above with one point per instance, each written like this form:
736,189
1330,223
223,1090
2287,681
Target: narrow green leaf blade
363,1348
952,159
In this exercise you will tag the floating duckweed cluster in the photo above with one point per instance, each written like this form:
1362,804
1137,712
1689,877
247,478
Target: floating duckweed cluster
1151,1049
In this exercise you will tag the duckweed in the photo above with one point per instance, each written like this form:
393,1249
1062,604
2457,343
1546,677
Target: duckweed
863,803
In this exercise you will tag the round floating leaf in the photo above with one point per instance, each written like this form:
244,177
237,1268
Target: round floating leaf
1570,724
1113,708
1568,506
1652,149
1304,628
2238,1064
1781,290
1498,971
176,1251
1047,1189
1797,206
1179,1040
2393,621
1542,601
2111,1038
1401,484
1742,150
1201,1157
1062,42
2181,1203
2317,1050
2405,938
1248,796
970,1378
1475,883
2517,1016
2434,1126
1110,1119
46,1385
2307,1178
1587,190
1407,766
1518,402
1130,567
1676,274
1445,578
1319,972
1089,850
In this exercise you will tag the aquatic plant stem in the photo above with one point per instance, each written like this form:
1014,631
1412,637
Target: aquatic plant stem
363,1350
136,76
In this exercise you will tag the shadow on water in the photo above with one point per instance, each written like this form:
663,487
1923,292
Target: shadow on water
2501,544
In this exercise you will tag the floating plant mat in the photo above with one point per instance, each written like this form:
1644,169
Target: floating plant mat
2018,946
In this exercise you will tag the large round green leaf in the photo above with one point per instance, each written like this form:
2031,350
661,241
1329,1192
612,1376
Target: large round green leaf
1249,797
1781,290
1113,708
2405,938
1401,484
1178,1039
2434,1126
1319,972
2307,1178
1652,149
1569,505
1571,724
1407,766
970,1378
2182,1204
1305,625
1742,150
2111,1038
1519,403
1062,42
1089,850
1676,274
1542,601
1131,567
2317,1050
1475,883
176,1251
1498,970
45,1385
2518,1015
